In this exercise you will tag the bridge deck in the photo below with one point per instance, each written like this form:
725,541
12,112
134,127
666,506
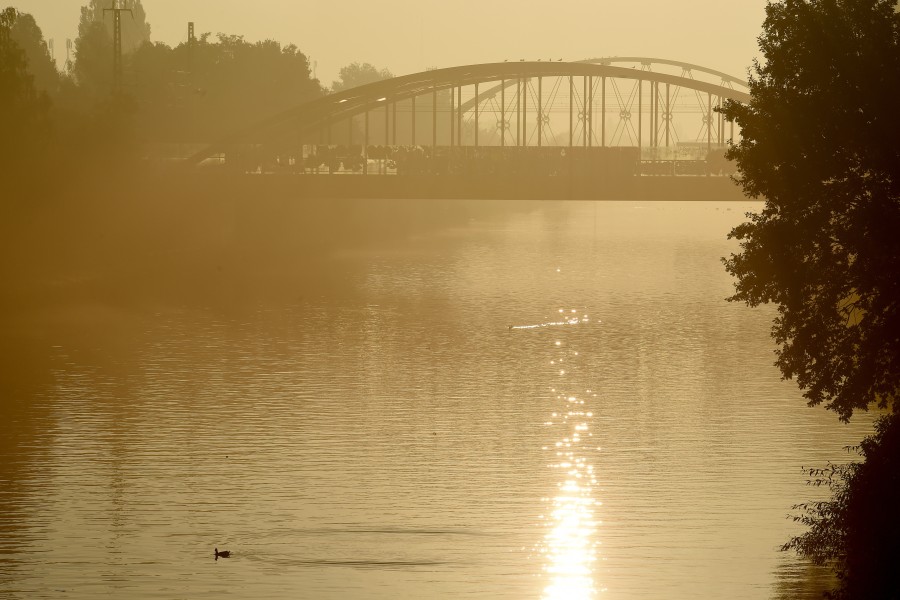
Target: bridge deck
425,187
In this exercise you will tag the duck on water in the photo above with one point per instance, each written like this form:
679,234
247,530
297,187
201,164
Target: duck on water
222,554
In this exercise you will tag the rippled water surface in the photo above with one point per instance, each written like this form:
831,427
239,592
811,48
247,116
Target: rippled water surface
545,400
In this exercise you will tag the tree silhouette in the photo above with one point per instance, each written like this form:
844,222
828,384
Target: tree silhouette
356,74
224,86
29,37
23,110
851,530
820,146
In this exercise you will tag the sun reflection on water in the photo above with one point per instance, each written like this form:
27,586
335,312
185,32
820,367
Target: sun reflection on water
570,546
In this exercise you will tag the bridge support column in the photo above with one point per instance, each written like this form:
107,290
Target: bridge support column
459,116
394,125
365,150
659,134
476,115
452,119
721,124
640,106
721,121
603,112
524,112
668,115
540,109
571,95
519,111
590,111
413,113
502,112
434,129
708,122
584,112
718,123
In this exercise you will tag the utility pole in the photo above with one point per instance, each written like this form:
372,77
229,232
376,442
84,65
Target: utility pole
191,83
117,41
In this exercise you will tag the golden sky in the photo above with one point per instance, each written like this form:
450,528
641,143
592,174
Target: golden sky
406,36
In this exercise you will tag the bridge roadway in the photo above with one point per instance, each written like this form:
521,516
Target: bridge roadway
425,187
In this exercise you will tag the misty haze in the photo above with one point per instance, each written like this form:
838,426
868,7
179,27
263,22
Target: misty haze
395,300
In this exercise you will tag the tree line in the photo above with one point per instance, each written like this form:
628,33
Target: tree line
197,91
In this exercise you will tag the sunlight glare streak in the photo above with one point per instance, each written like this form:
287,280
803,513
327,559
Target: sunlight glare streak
569,547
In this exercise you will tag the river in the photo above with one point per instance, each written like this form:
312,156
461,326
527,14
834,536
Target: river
540,400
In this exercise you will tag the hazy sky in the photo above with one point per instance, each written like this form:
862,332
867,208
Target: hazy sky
407,36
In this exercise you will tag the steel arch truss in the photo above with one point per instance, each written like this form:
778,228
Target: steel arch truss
518,88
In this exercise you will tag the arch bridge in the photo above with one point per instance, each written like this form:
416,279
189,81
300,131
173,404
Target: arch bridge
656,105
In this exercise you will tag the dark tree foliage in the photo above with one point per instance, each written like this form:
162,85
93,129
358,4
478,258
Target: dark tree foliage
23,110
26,33
208,90
858,529
356,74
92,67
821,145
